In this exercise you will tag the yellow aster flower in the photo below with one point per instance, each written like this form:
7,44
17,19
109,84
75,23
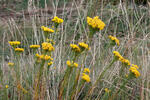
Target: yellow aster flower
46,29
68,63
134,70
14,43
46,57
124,61
75,64
34,46
71,64
96,23
6,86
114,39
19,49
86,70
117,55
47,46
50,63
85,77
83,45
10,64
75,48
57,20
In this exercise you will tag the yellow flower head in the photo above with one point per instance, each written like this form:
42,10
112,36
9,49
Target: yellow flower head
46,29
117,55
10,64
86,70
114,39
124,61
57,20
75,48
71,64
137,67
46,57
34,46
75,64
43,57
14,43
83,45
47,46
134,70
86,77
96,23
50,63
19,49
68,63
6,86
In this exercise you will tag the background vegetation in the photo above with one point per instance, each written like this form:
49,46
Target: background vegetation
128,20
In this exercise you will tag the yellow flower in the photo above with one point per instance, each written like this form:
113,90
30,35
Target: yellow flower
137,67
46,29
71,64
96,23
84,45
10,64
57,20
86,77
107,90
43,57
75,64
124,61
114,39
75,47
6,86
14,43
86,70
50,63
47,57
34,46
117,55
68,63
19,49
47,46
134,70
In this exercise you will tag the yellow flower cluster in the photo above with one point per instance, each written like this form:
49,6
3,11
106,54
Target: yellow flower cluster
44,57
19,49
75,47
57,20
71,64
46,29
86,70
34,46
96,23
85,77
114,39
133,69
119,57
84,45
50,63
47,46
14,43
10,64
